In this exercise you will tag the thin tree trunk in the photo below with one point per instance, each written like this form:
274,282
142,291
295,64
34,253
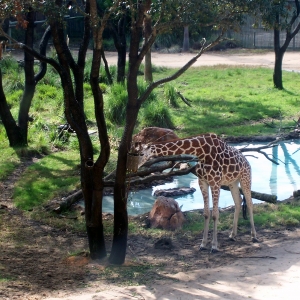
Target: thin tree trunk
186,39
12,130
91,172
122,48
106,67
29,77
280,50
277,74
148,64
94,217
118,250
94,204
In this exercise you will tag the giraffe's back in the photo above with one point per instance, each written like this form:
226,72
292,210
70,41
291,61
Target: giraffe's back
219,162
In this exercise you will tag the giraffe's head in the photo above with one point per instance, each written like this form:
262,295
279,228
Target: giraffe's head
146,154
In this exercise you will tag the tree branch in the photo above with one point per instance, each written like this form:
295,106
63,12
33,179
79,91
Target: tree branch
184,99
155,84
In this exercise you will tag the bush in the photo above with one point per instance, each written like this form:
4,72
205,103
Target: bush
13,81
171,95
115,104
7,64
156,113
51,78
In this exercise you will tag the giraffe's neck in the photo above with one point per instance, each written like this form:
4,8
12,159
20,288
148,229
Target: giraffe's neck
198,146
173,148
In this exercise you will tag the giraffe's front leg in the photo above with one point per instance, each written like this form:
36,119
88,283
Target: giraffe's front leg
215,216
204,189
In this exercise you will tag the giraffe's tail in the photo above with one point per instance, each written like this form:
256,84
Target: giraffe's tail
244,208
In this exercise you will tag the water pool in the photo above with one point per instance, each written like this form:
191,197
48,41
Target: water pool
267,177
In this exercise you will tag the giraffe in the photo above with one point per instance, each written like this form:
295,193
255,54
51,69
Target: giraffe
218,164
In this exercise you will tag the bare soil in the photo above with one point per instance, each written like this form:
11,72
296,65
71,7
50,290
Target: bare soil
235,57
36,262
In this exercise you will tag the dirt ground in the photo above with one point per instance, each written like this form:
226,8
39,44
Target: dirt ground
234,57
230,57
35,261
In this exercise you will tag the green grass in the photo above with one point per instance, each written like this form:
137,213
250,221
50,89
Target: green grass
234,101
265,216
53,175
8,161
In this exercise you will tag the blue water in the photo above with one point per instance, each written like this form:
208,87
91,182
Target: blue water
267,177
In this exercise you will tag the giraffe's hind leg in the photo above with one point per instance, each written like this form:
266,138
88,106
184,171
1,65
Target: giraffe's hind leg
215,216
234,189
206,213
246,187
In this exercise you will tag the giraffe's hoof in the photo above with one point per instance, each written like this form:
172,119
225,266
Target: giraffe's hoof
214,250
255,240
232,238
202,248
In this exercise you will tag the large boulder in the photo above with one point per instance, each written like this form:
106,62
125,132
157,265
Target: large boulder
154,135
166,214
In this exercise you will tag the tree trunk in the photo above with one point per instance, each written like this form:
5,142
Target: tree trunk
119,36
186,39
148,64
121,49
95,215
121,75
280,50
118,251
277,75
91,172
12,130
106,67
93,210
29,78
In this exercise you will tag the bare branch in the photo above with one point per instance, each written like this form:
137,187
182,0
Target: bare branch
258,149
155,84
184,99
181,157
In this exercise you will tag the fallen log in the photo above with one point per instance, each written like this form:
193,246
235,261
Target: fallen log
68,201
174,192
256,195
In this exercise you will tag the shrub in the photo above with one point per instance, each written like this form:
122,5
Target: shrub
14,97
8,64
14,80
156,113
51,78
116,100
171,95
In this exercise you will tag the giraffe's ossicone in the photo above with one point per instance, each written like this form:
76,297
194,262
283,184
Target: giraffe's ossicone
218,164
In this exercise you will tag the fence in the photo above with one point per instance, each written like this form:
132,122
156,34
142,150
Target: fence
250,37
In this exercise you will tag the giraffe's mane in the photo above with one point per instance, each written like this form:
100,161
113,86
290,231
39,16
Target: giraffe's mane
181,139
